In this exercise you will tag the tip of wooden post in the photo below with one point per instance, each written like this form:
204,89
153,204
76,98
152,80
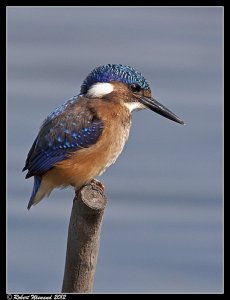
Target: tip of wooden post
93,195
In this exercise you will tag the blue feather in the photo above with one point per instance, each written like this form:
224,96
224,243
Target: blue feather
61,108
62,135
37,182
114,72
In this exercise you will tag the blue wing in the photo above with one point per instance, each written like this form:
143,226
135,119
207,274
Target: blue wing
69,128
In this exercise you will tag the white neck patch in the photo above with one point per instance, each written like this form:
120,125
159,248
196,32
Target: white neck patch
134,106
98,90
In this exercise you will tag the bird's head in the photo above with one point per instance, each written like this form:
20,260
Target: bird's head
123,84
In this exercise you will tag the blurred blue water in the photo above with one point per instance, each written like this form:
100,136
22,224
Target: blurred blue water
162,229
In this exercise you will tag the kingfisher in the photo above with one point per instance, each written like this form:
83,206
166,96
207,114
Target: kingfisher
83,136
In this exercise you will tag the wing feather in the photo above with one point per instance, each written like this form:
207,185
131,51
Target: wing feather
68,130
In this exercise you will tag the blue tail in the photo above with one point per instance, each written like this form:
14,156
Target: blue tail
37,182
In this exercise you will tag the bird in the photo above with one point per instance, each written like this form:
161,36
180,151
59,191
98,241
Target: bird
83,136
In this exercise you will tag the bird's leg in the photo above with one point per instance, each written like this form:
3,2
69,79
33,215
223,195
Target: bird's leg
77,192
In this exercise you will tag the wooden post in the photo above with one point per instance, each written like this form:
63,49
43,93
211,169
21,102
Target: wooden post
84,238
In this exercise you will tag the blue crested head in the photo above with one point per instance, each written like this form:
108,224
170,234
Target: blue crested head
114,72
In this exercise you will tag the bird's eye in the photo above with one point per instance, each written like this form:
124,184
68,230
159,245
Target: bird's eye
135,88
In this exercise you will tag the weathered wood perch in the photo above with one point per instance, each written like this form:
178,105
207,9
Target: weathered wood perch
84,238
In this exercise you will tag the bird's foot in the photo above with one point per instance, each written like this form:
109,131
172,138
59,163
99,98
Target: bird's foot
77,193
98,185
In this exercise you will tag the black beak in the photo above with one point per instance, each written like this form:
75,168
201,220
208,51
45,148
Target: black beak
152,104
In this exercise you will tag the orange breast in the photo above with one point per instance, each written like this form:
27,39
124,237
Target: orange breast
87,163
